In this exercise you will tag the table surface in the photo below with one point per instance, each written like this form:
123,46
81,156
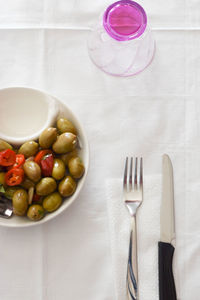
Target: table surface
43,45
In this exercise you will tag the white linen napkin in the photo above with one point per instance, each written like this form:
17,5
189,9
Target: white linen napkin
148,228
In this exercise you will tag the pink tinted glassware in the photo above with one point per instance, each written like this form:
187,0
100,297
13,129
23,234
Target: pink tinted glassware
121,43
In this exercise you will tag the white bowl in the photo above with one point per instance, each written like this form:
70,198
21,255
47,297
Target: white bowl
49,108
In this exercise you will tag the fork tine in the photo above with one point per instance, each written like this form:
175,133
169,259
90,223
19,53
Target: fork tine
125,173
141,172
135,176
130,174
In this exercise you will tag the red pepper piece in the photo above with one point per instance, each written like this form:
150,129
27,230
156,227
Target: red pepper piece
36,198
7,157
20,160
41,154
47,165
14,177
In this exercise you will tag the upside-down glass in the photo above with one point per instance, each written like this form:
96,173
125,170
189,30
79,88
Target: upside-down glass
121,43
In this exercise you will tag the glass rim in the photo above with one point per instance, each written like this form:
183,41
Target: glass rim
123,37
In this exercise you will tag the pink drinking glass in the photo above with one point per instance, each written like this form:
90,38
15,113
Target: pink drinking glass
121,43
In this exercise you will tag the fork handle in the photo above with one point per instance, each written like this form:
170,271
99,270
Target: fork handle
132,268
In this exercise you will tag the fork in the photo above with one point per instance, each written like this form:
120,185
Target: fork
6,209
133,196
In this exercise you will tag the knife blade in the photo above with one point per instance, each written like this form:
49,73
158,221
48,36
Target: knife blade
167,289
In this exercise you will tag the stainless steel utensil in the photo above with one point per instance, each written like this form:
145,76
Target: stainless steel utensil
133,196
6,209
167,290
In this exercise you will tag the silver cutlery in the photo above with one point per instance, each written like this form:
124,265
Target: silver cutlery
133,196
167,289
6,209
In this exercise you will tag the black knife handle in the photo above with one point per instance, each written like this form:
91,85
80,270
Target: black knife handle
167,289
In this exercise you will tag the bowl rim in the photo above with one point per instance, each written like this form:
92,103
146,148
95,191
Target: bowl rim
72,198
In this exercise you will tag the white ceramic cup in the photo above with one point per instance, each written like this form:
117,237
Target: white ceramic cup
25,113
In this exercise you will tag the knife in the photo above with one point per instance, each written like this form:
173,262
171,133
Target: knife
167,289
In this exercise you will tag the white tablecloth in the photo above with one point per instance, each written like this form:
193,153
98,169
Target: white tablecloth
43,45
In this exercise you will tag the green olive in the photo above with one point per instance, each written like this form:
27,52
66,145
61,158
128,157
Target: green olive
59,169
2,178
48,137
67,156
65,142
67,186
76,167
29,148
35,212
27,183
65,125
4,145
32,170
52,202
20,202
46,186
10,190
